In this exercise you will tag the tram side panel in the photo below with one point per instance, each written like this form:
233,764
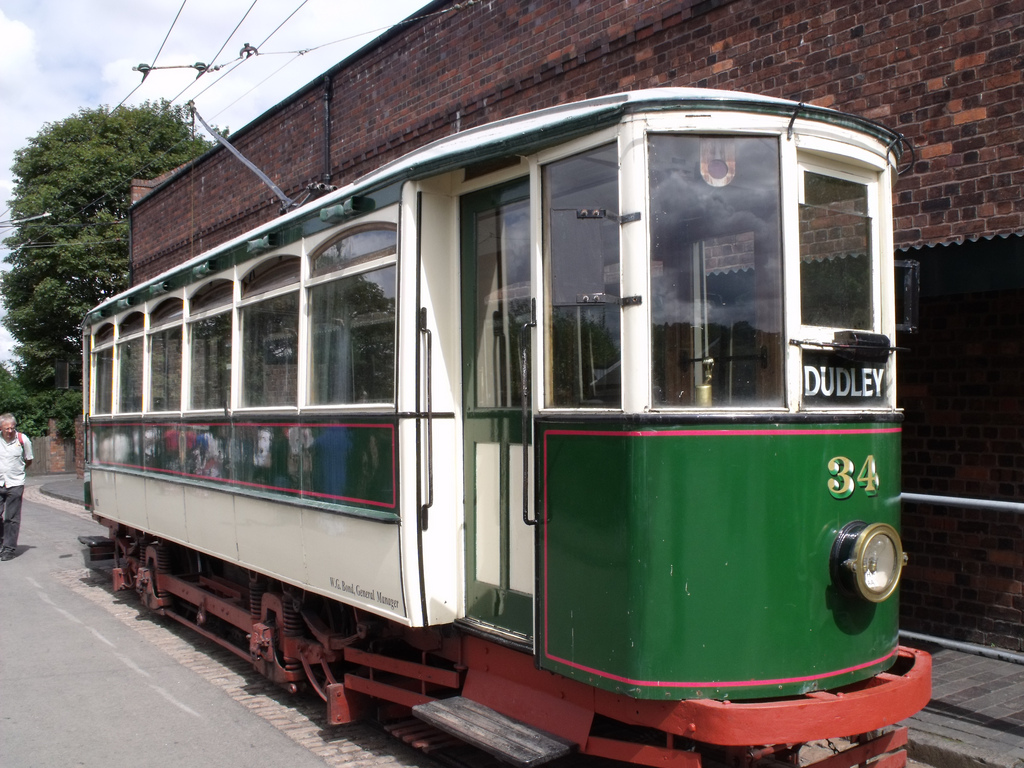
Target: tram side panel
165,506
674,565
353,557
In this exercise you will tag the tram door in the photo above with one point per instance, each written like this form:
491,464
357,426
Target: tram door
496,303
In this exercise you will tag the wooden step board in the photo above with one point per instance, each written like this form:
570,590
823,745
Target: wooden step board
99,547
509,740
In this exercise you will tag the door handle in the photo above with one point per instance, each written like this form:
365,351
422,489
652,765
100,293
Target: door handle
524,360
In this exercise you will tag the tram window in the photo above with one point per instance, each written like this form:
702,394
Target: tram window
582,273
210,359
166,312
210,346
352,318
501,234
357,246
217,293
129,365
835,253
716,271
103,367
270,336
353,339
165,356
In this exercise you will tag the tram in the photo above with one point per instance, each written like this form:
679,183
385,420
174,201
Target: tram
576,430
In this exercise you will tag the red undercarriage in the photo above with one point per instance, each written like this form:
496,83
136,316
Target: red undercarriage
377,668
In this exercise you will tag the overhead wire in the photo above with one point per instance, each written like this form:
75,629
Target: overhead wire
228,40
245,54
168,35
108,193
71,244
242,58
278,28
159,51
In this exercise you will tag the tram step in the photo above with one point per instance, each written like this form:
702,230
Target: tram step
509,740
100,547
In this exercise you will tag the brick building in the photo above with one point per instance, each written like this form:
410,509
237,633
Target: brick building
948,74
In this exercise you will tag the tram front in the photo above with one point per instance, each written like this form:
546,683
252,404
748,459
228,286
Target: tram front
716,435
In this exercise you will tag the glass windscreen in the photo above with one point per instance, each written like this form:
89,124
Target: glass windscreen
716,271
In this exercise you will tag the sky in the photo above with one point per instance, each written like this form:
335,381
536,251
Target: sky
60,56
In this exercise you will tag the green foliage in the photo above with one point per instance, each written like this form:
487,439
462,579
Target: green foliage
79,170
34,410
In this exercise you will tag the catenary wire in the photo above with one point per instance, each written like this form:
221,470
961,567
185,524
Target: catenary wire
228,40
454,8
168,35
159,51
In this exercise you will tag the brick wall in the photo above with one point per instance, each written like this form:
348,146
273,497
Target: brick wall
962,385
946,73
52,454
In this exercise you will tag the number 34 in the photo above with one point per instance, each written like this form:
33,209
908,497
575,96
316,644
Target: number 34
841,485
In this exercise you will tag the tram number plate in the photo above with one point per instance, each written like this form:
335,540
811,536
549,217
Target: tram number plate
843,483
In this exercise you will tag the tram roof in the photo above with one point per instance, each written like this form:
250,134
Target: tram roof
520,134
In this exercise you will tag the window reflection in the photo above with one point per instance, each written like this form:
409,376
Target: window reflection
103,364
352,318
129,354
835,253
270,347
581,195
165,356
716,272
353,339
270,335
210,342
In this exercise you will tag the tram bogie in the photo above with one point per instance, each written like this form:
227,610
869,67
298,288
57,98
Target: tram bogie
585,417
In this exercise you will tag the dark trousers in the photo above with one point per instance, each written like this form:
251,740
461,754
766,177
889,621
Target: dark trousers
10,500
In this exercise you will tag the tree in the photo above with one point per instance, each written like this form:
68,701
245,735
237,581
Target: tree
79,172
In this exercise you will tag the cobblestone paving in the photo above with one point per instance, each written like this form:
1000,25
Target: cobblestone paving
301,718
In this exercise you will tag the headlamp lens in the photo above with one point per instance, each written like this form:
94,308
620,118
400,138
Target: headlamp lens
867,560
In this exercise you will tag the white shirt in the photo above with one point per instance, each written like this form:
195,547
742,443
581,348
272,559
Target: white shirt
12,460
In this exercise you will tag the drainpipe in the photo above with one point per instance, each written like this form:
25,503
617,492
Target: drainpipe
325,177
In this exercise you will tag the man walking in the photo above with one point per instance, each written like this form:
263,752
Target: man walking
15,456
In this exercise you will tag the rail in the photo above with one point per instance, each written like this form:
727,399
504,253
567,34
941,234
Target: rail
959,501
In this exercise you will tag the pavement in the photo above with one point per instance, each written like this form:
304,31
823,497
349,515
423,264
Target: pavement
974,720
